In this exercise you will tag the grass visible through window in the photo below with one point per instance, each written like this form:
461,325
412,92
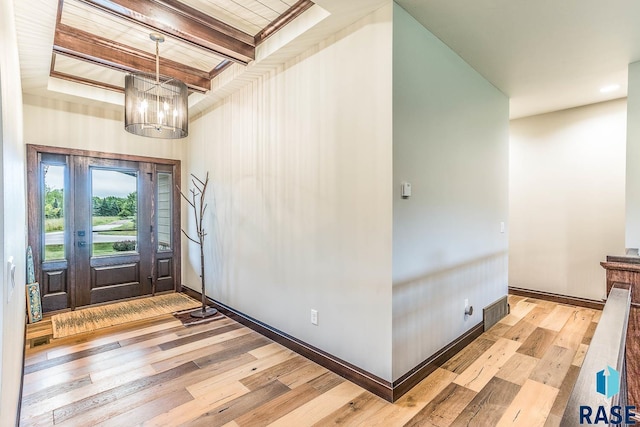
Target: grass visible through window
53,224
56,252
57,224
126,227
103,220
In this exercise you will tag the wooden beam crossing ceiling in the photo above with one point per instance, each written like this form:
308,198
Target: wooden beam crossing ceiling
88,82
88,47
282,20
185,23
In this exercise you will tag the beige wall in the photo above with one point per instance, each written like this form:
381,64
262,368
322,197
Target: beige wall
567,198
450,141
12,220
300,161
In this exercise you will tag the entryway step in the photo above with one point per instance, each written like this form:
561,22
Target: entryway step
39,333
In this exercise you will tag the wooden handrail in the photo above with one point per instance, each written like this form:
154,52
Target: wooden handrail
607,348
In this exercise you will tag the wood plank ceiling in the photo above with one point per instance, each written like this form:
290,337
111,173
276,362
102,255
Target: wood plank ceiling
98,41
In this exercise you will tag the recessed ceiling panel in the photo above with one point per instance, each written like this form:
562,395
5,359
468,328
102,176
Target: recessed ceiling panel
87,72
250,16
102,24
78,15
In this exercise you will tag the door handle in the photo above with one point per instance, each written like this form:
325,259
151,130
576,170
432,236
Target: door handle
153,285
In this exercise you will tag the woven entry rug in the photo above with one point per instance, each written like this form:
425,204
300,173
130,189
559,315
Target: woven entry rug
90,319
187,320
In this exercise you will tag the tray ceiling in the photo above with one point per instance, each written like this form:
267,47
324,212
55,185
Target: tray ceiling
97,42
249,16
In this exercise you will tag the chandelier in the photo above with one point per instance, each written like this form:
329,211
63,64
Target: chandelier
155,106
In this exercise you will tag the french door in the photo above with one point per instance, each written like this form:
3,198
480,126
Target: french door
102,228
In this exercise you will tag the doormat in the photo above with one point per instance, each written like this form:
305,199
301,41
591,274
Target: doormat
90,319
187,320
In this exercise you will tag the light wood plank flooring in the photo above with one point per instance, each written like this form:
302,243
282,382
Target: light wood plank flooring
160,373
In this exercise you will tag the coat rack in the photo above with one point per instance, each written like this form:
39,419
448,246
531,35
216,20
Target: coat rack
199,207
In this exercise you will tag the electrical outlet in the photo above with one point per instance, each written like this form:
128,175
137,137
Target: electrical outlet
314,317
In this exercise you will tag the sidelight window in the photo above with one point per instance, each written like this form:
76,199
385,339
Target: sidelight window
164,225
53,202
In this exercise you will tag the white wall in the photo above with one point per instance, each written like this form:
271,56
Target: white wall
450,141
12,219
64,124
567,198
632,191
301,188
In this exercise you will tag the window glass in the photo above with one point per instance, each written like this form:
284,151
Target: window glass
164,211
114,200
54,219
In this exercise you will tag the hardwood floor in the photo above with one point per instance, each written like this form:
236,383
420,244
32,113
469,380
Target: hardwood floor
160,373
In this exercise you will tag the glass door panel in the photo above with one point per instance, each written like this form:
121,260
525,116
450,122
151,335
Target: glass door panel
114,199
53,202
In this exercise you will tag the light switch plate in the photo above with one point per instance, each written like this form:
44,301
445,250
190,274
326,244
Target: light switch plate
11,278
406,190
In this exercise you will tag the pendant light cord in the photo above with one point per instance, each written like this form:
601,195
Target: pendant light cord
157,63
158,83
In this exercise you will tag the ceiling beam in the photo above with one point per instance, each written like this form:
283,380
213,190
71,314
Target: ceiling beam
289,15
84,81
220,68
88,47
77,79
185,23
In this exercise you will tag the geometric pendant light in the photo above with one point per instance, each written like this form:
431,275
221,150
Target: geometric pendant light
155,106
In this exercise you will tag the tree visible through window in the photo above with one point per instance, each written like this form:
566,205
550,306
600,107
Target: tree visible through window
54,221
114,200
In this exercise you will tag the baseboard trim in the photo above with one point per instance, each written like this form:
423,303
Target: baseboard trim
557,298
370,382
422,371
364,379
